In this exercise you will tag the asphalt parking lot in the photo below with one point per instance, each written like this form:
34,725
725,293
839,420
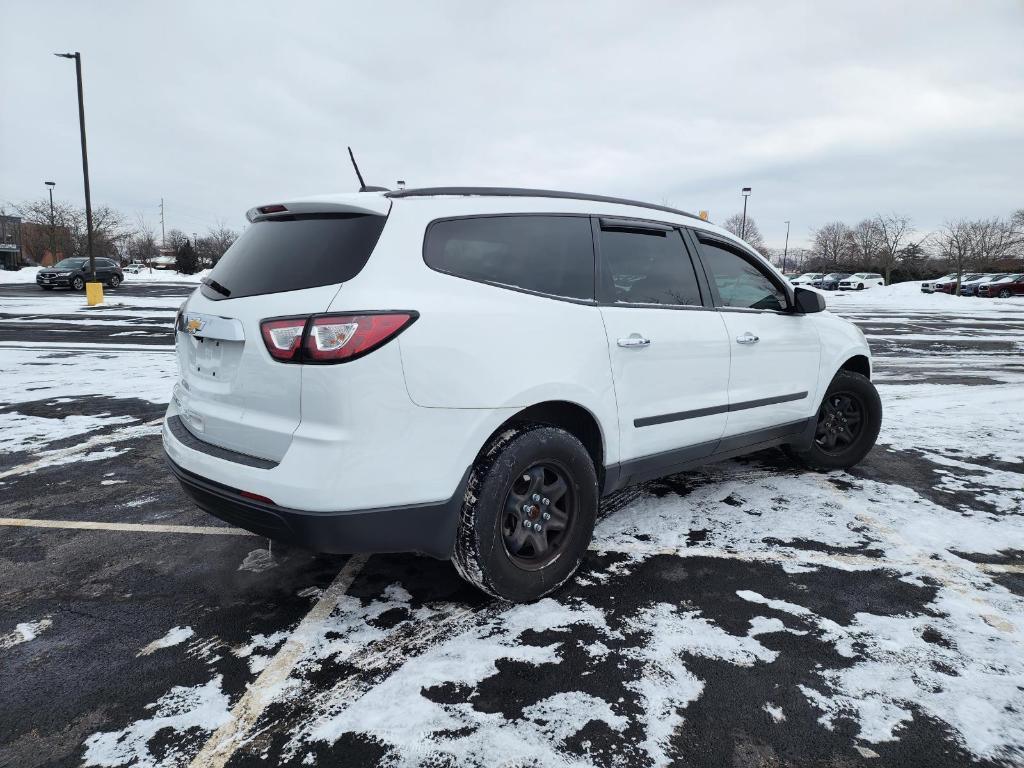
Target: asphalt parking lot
751,613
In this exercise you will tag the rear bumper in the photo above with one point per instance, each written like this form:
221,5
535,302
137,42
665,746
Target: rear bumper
426,528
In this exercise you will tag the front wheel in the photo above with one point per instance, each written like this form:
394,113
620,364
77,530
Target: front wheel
78,284
860,287
848,422
1004,294
114,281
529,513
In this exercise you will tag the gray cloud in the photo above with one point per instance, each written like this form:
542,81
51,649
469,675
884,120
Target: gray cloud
827,111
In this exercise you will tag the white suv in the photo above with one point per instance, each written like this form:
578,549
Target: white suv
862,280
464,372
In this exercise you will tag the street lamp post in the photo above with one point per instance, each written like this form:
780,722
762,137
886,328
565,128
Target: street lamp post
786,249
85,161
743,226
53,225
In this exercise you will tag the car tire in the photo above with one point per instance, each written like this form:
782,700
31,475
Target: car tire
114,281
1005,293
860,287
77,283
838,444
494,550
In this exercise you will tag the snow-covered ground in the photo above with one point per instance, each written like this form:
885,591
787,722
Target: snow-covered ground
876,606
28,275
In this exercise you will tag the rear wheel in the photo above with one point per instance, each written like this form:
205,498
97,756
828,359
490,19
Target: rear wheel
848,422
529,513
78,284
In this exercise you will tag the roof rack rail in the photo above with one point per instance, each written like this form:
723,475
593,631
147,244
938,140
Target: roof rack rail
518,192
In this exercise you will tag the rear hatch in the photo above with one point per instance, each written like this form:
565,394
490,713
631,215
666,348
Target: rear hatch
291,262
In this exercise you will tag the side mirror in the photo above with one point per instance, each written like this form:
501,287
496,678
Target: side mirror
809,301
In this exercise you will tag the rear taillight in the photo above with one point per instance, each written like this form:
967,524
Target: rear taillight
332,338
283,337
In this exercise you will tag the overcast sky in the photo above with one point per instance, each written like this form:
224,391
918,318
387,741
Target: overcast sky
827,110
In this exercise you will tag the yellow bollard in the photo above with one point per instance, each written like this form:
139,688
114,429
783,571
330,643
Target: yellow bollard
93,294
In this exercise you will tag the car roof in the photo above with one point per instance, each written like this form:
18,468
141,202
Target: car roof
477,199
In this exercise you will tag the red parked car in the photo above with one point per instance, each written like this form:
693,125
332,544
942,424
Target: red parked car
1004,289
947,286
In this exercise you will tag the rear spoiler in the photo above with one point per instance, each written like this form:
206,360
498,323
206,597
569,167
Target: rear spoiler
369,204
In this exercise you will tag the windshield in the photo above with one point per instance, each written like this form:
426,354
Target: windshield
70,264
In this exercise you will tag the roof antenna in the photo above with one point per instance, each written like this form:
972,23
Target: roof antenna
362,184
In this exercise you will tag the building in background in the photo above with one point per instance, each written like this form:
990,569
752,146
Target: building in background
10,242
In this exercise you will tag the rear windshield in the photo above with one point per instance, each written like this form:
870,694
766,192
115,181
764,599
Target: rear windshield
289,254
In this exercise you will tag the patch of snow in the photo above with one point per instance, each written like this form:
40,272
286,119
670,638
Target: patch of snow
21,432
174,636
184,711
25,632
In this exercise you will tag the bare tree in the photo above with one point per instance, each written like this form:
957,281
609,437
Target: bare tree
866,239
219,239
993,240
752,235
893,230
833,243
69,231
954,243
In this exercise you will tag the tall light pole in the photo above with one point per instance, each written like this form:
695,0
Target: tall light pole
786,249
53,225
85,161
743,226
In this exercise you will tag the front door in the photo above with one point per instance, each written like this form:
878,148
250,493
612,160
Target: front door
669,352
775,351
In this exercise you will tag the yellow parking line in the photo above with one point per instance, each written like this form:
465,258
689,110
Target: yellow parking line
85,525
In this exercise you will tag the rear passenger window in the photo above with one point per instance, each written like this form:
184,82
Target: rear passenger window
553,255
738,281
646,267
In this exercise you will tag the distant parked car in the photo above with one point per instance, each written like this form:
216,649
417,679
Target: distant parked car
807,278
163,262
134,267
947,285
861,280
970,287
830,282
928,286
1011,285
73,273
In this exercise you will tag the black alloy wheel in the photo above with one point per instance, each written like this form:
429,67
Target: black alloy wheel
840,422
114,281
539,512
78,283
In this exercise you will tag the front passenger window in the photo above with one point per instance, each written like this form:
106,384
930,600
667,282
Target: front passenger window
738,281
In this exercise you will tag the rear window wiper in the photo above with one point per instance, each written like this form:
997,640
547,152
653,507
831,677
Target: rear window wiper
216,286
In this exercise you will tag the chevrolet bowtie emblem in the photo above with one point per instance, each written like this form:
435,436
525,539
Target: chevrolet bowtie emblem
194,325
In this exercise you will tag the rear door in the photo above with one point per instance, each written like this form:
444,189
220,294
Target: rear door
775,352
668,349
232,393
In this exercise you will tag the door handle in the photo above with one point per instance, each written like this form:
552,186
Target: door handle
747,338
634,340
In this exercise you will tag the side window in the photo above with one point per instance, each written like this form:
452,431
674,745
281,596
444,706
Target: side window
738,281
547,254
640,266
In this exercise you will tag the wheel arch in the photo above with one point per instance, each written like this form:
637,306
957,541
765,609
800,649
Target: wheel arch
564,414
857,364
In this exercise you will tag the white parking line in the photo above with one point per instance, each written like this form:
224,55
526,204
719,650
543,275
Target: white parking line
87,525
229,737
